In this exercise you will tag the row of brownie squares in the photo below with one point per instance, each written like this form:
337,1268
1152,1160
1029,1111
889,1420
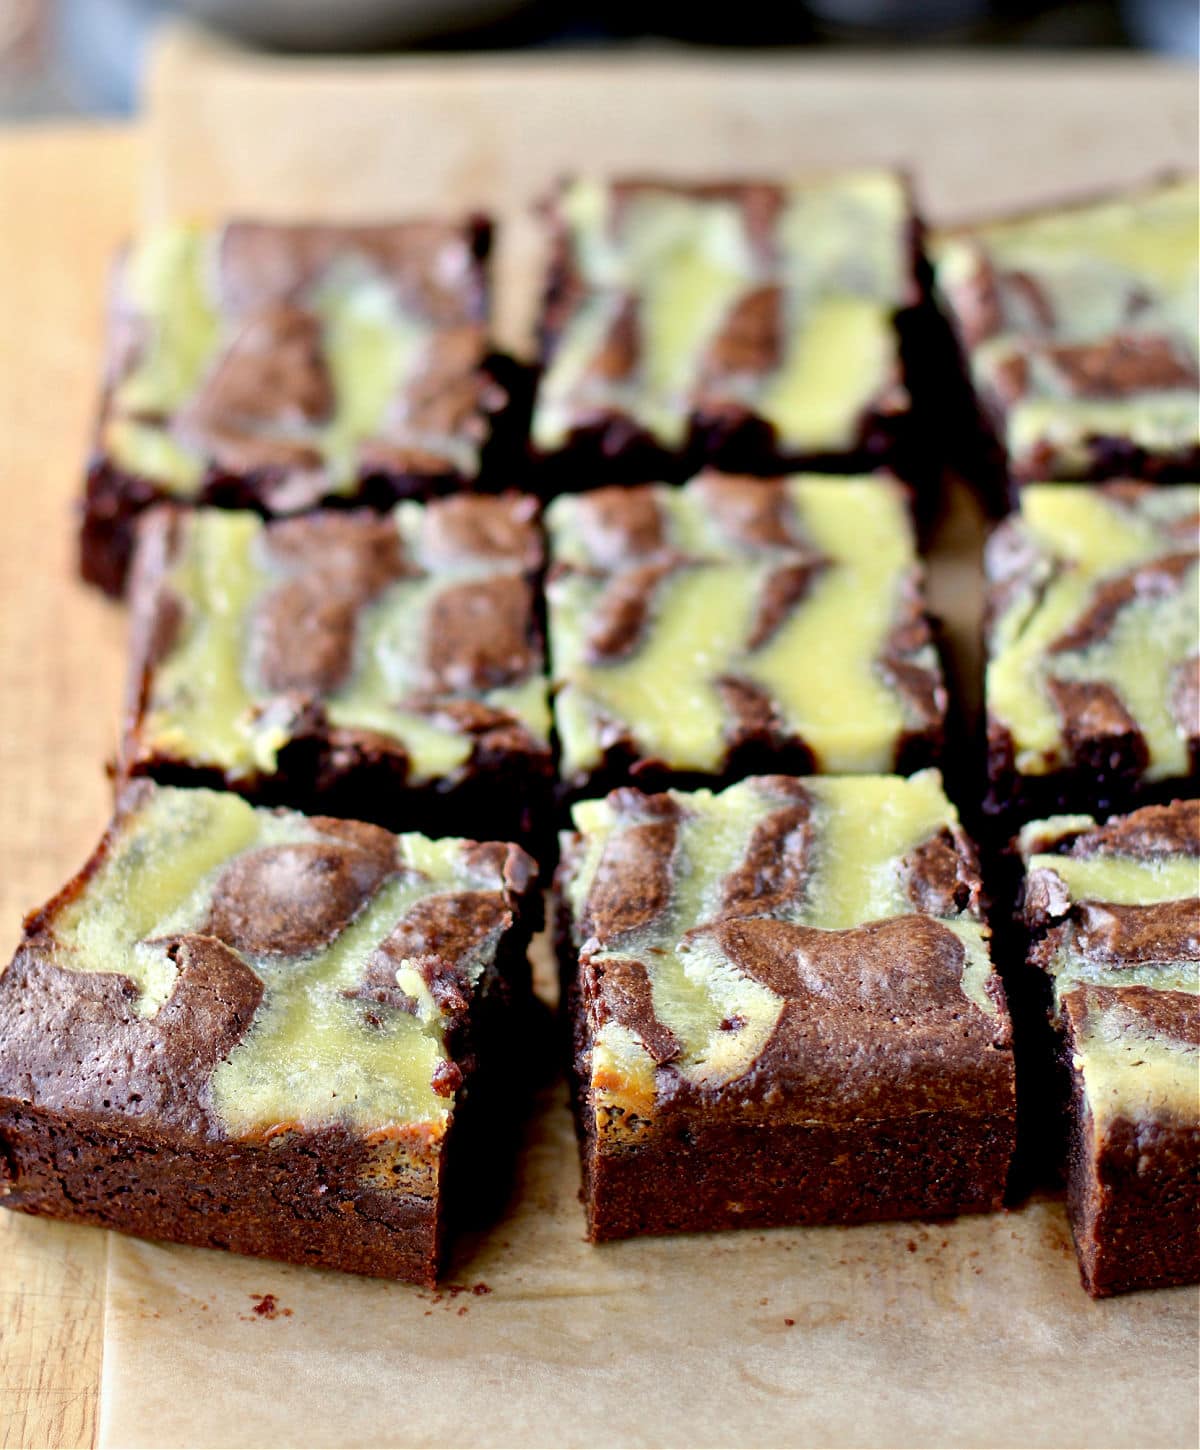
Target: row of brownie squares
390,667
306,1038
750,326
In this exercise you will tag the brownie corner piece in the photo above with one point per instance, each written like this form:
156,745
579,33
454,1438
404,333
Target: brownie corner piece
784,1008
1093,649
1111,912
279,366
377,666
752,325
260,1031
1077,334
738,626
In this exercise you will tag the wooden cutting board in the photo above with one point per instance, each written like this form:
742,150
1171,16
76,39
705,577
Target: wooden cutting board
227,132
66,196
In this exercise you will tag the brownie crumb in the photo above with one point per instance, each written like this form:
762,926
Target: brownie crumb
268,1307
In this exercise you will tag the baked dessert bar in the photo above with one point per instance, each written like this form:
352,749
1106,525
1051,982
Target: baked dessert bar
1093,644
1113,915
783,1005
385,667
1077,331
277,367
265,1032
751,325
736,626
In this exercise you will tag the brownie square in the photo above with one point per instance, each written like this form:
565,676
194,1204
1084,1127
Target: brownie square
278,367
783,1005
1113,916
1093,645
751,325
386,667
1077,331
736,626
265,1032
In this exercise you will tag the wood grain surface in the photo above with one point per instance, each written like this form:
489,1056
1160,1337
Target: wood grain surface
232,132
66,197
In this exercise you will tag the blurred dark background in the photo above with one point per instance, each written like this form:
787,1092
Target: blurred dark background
84,56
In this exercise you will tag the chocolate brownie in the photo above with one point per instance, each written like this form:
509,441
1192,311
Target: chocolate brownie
1093,643
784,1007
751,325
261,1031
385,667
277,367
1077,330
739,625
1113,913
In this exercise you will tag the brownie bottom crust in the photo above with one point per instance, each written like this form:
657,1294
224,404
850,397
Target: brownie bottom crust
694,1177
1134,1203
764,754
616,453
1100,787
297,1197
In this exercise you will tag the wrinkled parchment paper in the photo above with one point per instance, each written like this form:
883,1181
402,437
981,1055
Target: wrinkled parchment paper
973,1332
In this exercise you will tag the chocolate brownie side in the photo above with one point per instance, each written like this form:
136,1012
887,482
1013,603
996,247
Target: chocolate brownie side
255,1030
1112,912
1133,1187
783,1007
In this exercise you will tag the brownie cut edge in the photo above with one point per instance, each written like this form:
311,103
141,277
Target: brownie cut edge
1111,913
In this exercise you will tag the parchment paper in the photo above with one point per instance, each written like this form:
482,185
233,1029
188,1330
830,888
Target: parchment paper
973,1332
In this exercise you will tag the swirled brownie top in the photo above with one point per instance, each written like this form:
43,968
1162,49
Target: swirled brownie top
417,627
1080,324
777,300
315,355
689,624
232,972
1115,913
1094,609
808,949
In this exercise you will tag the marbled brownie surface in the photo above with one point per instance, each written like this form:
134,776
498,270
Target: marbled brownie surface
304,356
677,308
736,620
1079,327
